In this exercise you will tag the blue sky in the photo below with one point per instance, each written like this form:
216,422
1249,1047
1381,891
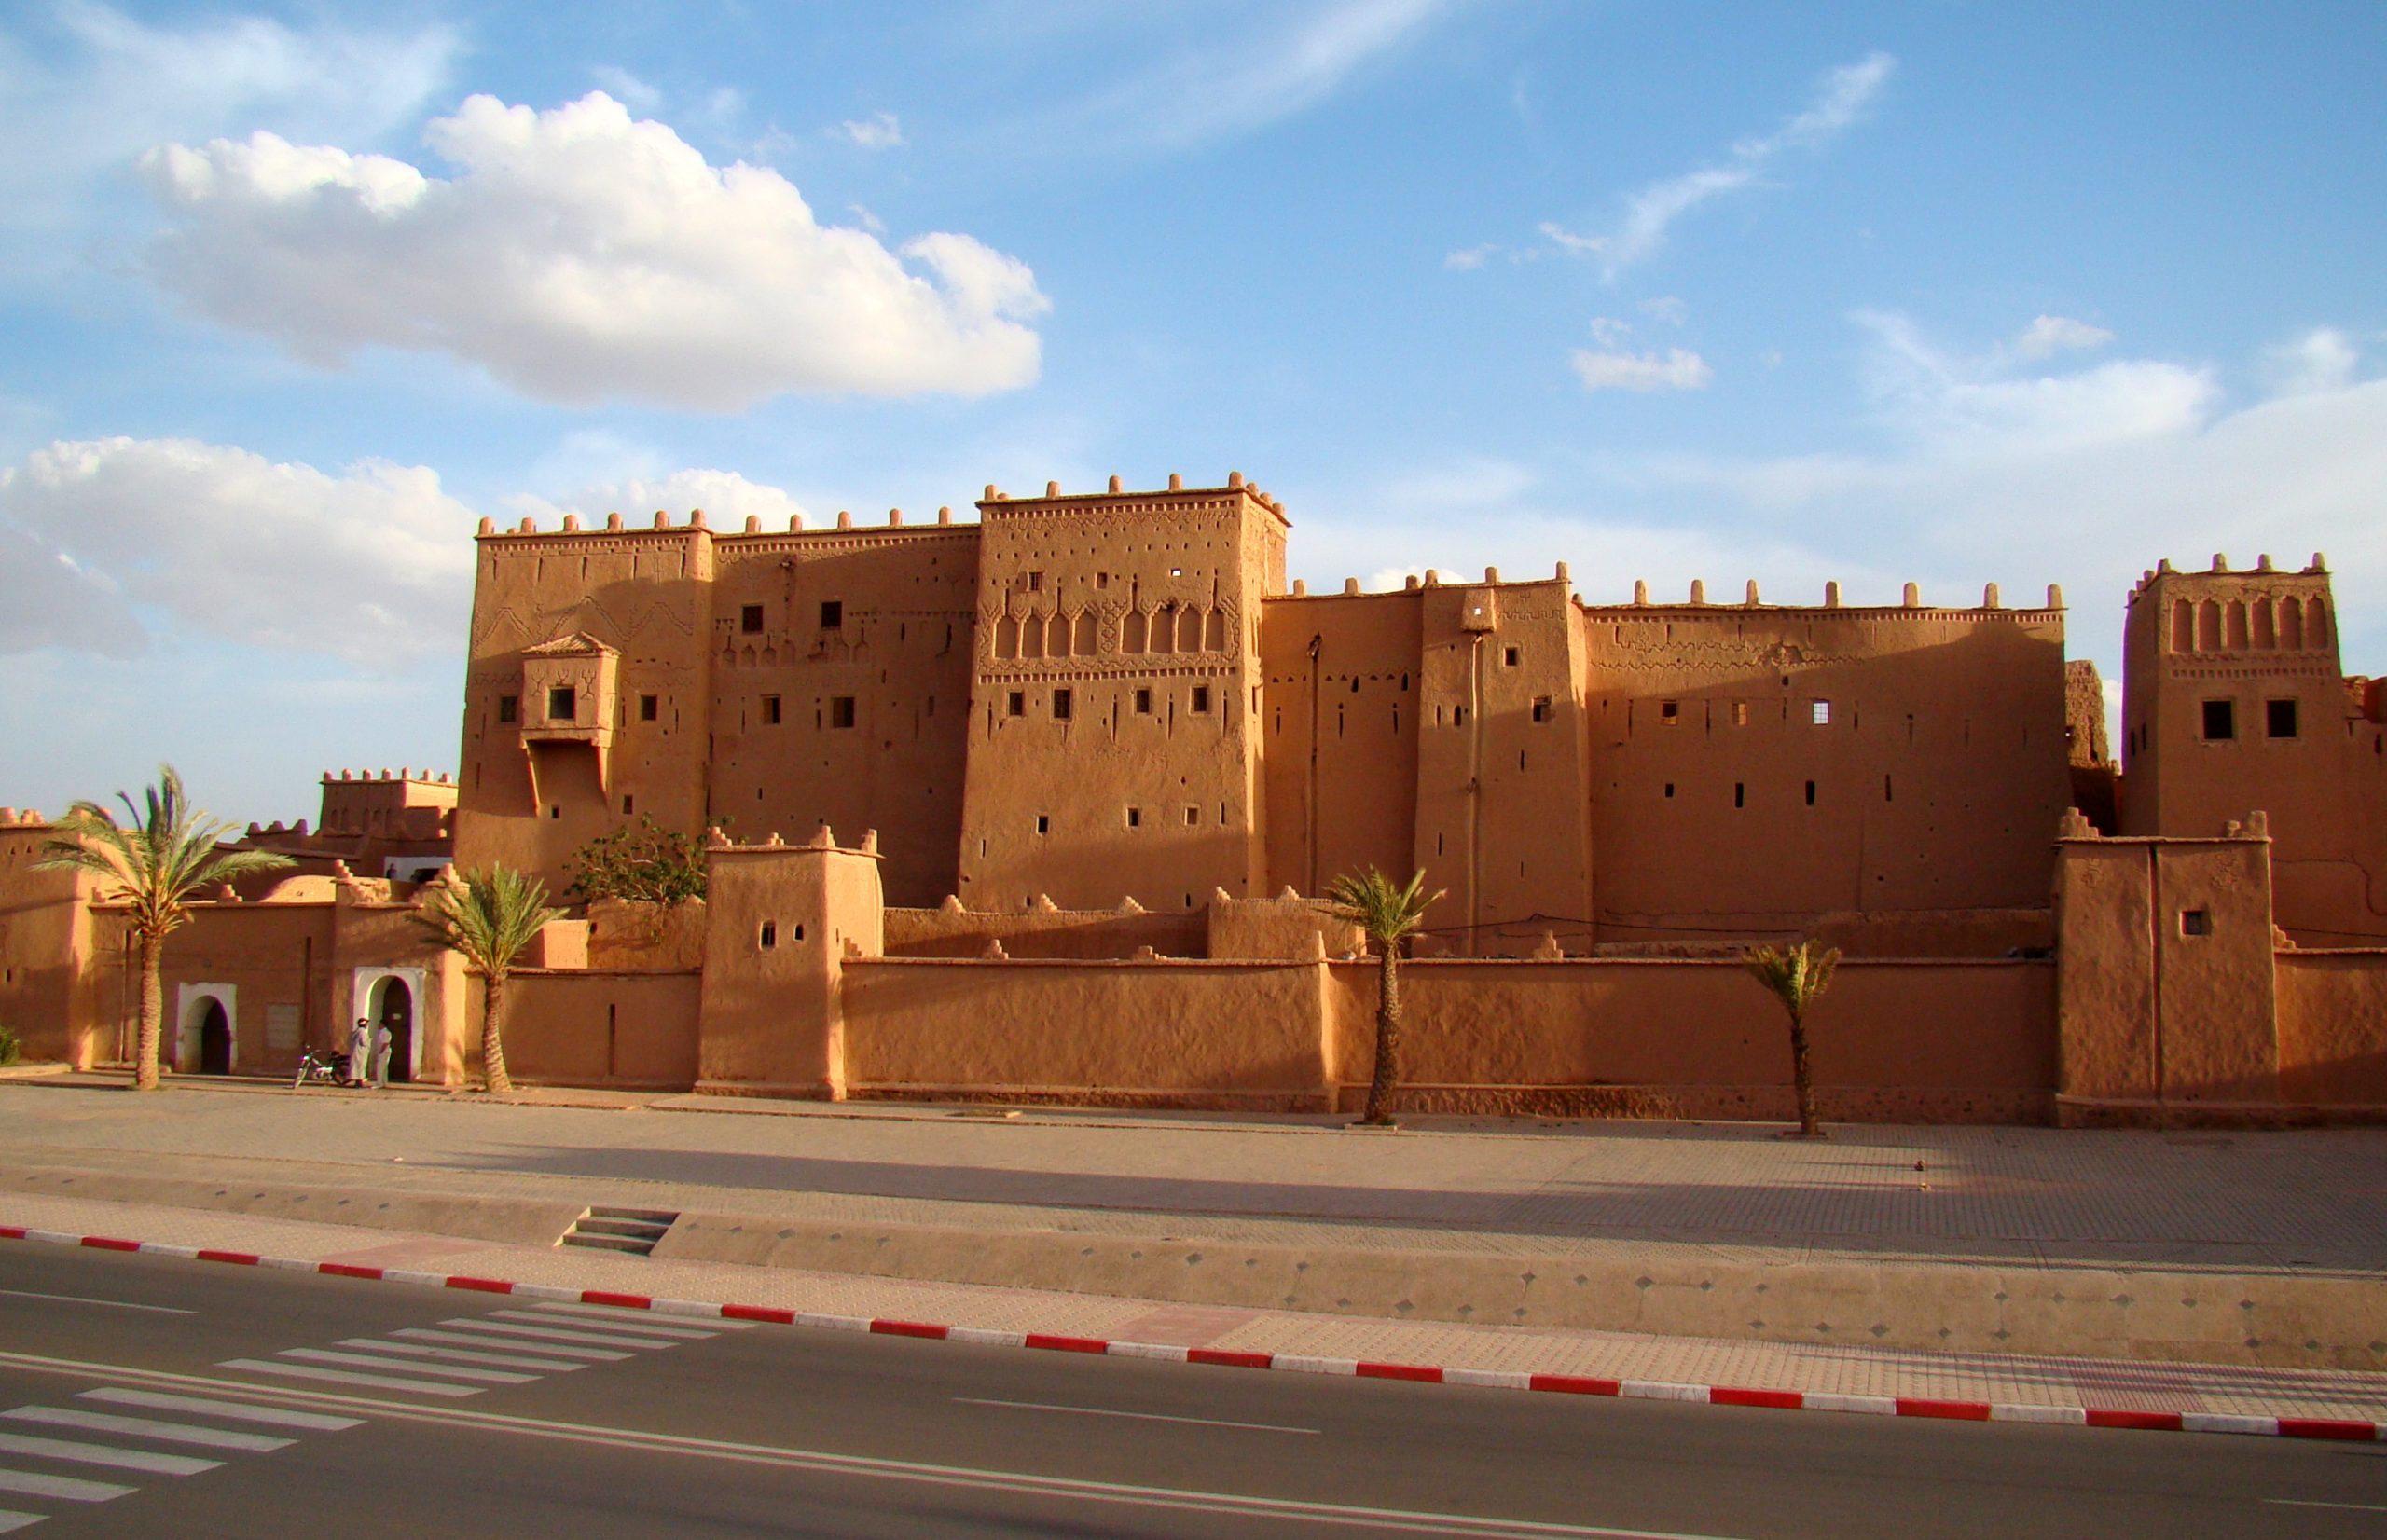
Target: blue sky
2022,294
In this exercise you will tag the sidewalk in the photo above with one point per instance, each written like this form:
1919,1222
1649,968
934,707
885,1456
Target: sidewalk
2259,1250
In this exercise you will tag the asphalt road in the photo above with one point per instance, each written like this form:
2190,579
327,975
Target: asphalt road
148,1397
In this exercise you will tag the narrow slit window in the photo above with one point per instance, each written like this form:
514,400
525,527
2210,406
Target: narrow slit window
1740,713
1670,790
771,936
771,710
1135,817
1811,794
1739,793
841,711
1063,704
1043,823
630,805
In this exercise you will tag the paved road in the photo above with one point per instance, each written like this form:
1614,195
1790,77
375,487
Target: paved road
141,1395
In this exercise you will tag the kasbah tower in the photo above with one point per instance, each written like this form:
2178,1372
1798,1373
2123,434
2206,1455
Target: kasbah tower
1093,698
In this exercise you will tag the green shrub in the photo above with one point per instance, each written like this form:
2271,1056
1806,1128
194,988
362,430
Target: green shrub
10,1046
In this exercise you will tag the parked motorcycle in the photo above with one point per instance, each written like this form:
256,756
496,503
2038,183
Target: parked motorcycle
317,1066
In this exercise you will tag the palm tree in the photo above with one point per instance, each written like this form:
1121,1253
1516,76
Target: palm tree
152,867
490,916
1388,915
1798,978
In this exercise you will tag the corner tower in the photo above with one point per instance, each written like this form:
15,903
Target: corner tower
1114,748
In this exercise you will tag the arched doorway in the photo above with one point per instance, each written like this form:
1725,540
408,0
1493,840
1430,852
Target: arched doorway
394,1008
215,1038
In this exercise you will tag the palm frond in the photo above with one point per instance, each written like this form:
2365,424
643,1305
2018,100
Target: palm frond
155,862
490,917
1797,976
1385,910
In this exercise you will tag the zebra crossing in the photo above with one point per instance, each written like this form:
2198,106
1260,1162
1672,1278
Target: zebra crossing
63,1457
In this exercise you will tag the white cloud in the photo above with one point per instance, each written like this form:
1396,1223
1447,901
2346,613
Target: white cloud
726,498
2323,359
878,131
1957,404
1666,308
1232,85
1469,259
2048,334
580,255
626,87
1609,332
89,89
373,565
1679,369
1842,99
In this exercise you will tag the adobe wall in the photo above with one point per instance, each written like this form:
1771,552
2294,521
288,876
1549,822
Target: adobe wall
626,1030
2256,645
1141,1034
532,791
1340,734
782,922
2333,1028
1114,749
1754,766
849,701
51,961
1287,928
1045,930
1900,1041
630,937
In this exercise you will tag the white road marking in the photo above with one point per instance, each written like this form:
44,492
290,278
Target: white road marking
81,1299
105,1454
559,1334
347,1377
520,1344
368,1360
149,1428
71,1489
464,1356
628,1320
629,1313
2311,1503
1140,1416
1337,1515
10,1520
238,1412
642,1334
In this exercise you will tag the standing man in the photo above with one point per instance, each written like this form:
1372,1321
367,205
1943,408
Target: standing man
381,1056
360,1051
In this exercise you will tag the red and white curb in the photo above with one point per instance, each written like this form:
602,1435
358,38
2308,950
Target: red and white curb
1565,1384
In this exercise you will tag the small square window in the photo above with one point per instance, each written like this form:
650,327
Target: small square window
1135,817
647,708
770,711
509,707
1035,580
1820,713
630,805
1063,704
833,614
2196,922
1043,823
770,935
1670,790
1202,698
1740,713
1511,656
1669,713
2279,719
2220,721
1017,704
841,711
1193,814
1542,708
1102,580
1143,703
750,618
563,703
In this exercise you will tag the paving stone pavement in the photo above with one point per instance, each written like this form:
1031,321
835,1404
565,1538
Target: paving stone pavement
2006,1380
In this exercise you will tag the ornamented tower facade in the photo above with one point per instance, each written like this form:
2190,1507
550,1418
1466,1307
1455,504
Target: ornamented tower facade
1114,745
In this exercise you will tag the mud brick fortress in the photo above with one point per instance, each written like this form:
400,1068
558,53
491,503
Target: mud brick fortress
1031,809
